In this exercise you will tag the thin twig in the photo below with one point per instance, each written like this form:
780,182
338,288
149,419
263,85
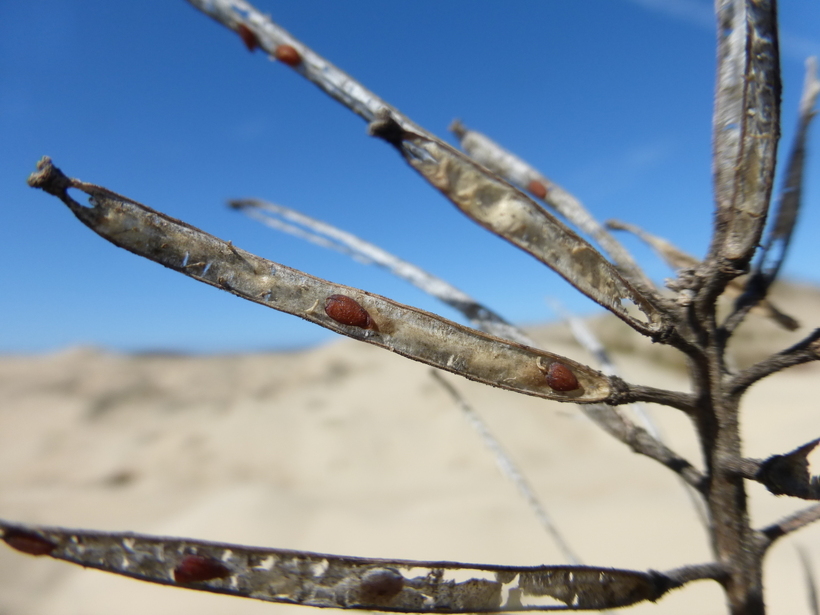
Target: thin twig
783,474
509,469
640,441
630,393
811,585
792,523
686,574
588,340
803,352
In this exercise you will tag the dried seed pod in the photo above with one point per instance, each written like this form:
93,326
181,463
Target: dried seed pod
248,37
561,378
198,568
537,189
288,55
28,542
346,311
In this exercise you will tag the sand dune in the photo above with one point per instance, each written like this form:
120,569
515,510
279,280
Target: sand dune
348,449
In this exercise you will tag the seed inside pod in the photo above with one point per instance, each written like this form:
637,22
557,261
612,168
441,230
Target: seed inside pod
288,55
346,311
381,584
537,188
560,378
248,37
28,542
198,568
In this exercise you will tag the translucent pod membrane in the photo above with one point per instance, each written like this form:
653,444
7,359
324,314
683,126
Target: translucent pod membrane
320,580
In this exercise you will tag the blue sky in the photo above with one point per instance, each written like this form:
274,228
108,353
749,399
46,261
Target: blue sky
610,98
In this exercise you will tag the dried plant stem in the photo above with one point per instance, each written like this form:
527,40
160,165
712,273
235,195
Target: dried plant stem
509,469
625,430
811,585
790,524
803,352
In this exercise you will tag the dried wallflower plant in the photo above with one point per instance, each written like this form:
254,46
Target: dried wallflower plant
490,185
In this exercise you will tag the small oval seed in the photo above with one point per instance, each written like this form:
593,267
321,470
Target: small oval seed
561,378
28,542
198,568
288,55
346,311
248,37
381,584
537,188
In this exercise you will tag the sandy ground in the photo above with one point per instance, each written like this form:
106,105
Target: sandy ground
348,449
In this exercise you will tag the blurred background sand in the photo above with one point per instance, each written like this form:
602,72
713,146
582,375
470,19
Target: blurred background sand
349,449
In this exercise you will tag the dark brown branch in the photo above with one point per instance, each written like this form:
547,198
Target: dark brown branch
803,352
641,442
783,474
790,524
625,393
697,572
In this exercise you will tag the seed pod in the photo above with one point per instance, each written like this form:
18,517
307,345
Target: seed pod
560,378
28,542
288,55
346,311
248,37
537,188
198,568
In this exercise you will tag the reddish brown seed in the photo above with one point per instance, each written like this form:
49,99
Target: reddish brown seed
198,568
248,37
381,584
28,542
537,188
561,378
288,55
346,311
